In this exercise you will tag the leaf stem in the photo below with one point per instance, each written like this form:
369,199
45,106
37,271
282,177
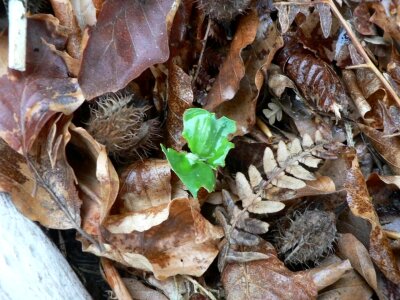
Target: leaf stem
204,42
355,41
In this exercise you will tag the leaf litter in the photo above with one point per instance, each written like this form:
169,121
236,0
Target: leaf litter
282,185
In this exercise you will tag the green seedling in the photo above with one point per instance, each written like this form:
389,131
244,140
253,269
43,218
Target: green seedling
207,139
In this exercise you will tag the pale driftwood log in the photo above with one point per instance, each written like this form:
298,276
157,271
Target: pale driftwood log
31,267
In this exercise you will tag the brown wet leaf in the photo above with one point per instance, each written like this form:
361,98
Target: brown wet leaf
29,99
355,92
185,243
129,37
145,184
265,279
316,80
43,192
98,181
242,107
387,147
180,98
233,69
360,205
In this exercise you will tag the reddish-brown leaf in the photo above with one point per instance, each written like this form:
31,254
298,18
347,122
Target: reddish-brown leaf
180,98
317,81
361,17
129,37
233,69
266,279
29,99
184,243
242,107
360,205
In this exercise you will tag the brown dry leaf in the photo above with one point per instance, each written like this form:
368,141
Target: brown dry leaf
242,107
29,99
265,279
360,205
180,98
185,243
362,23
352,249
233,69
140,291
145,184
356,94
129,37
45,193
349,287
388,23
387,147
98,181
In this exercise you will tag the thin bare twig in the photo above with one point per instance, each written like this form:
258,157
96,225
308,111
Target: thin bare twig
354,39
204,41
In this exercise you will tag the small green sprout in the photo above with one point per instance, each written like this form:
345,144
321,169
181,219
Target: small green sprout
207,138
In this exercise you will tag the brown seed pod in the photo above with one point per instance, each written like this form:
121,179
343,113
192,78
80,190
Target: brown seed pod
223,10
309,237
123,128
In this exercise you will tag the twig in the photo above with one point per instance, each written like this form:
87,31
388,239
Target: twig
200,287
264,128
355,41
204,41
17,25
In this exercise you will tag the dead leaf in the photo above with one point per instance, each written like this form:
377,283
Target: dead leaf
129,37
242,107
29,99
233,69
145,184
361,18
3,54
352,249
180,98
265,279
41,192
350,286
356,94
140,291
360,205
184,243
388,23
316,80
387,147
114,280
98,181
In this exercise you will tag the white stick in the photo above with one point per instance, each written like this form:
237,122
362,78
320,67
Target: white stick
31,267
17,25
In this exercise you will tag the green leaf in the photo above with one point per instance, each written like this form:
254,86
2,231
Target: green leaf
207,136
193,172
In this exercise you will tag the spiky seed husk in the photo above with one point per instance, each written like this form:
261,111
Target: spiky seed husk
309,237
122,127
223,10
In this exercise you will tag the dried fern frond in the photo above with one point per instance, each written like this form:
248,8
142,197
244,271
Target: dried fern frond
240,229
247,192
288,168
123,128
